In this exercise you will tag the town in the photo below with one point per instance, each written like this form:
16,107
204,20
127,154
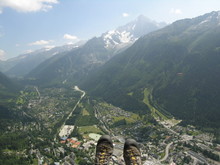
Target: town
68,123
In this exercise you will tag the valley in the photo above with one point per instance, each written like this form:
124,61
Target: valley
63,125
154,82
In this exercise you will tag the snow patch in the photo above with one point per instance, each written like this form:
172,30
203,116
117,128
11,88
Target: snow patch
125,37
133,27
203,22
116,37
109,34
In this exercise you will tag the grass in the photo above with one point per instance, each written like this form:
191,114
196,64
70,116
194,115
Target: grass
89,129
35,162
131,119
193,133
146,95
156,113
130,94
85,112
104,104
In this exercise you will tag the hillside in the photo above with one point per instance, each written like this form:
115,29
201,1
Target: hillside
179,64
8,91
7,88
77,64
21,65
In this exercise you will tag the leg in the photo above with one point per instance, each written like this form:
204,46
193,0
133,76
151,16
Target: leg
132,154
104,150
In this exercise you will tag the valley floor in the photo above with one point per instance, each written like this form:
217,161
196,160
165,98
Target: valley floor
63,125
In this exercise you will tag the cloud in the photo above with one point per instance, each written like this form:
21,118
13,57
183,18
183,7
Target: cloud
125,14
40,42
27,5
175,11
2,54
70,37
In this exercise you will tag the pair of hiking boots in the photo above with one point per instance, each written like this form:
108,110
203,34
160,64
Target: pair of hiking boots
104,151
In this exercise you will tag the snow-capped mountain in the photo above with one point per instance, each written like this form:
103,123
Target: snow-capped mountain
77,64
181,62
130,32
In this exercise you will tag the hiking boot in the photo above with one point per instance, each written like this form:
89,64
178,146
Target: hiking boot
104,150
132,154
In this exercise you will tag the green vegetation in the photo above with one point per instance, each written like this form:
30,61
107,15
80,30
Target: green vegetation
83,115
206,153
130,94
128,120
89,129
31,122
156,113
181,67
12,147
86,120
85,112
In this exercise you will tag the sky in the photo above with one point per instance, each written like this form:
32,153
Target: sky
28,25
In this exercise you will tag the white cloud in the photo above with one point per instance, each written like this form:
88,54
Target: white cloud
40,42
125,14
70,37
27,5
175,11
2,54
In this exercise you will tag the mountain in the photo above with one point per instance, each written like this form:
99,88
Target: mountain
76,64
23,64
130,32
179,65
8,89
6,93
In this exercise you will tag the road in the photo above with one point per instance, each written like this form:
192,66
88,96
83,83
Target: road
70,114
36,88
166,152
104,125
77,89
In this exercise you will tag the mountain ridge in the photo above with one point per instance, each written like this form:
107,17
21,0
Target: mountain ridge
21,65
173,61
77,64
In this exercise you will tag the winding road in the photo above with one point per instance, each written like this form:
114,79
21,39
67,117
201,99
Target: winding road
166,152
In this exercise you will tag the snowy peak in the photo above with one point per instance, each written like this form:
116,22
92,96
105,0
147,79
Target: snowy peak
130,32
115,37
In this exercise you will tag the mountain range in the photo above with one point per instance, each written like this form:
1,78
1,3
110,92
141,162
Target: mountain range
78,63
178,64
21,65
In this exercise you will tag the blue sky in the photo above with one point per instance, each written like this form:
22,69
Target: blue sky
27,25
